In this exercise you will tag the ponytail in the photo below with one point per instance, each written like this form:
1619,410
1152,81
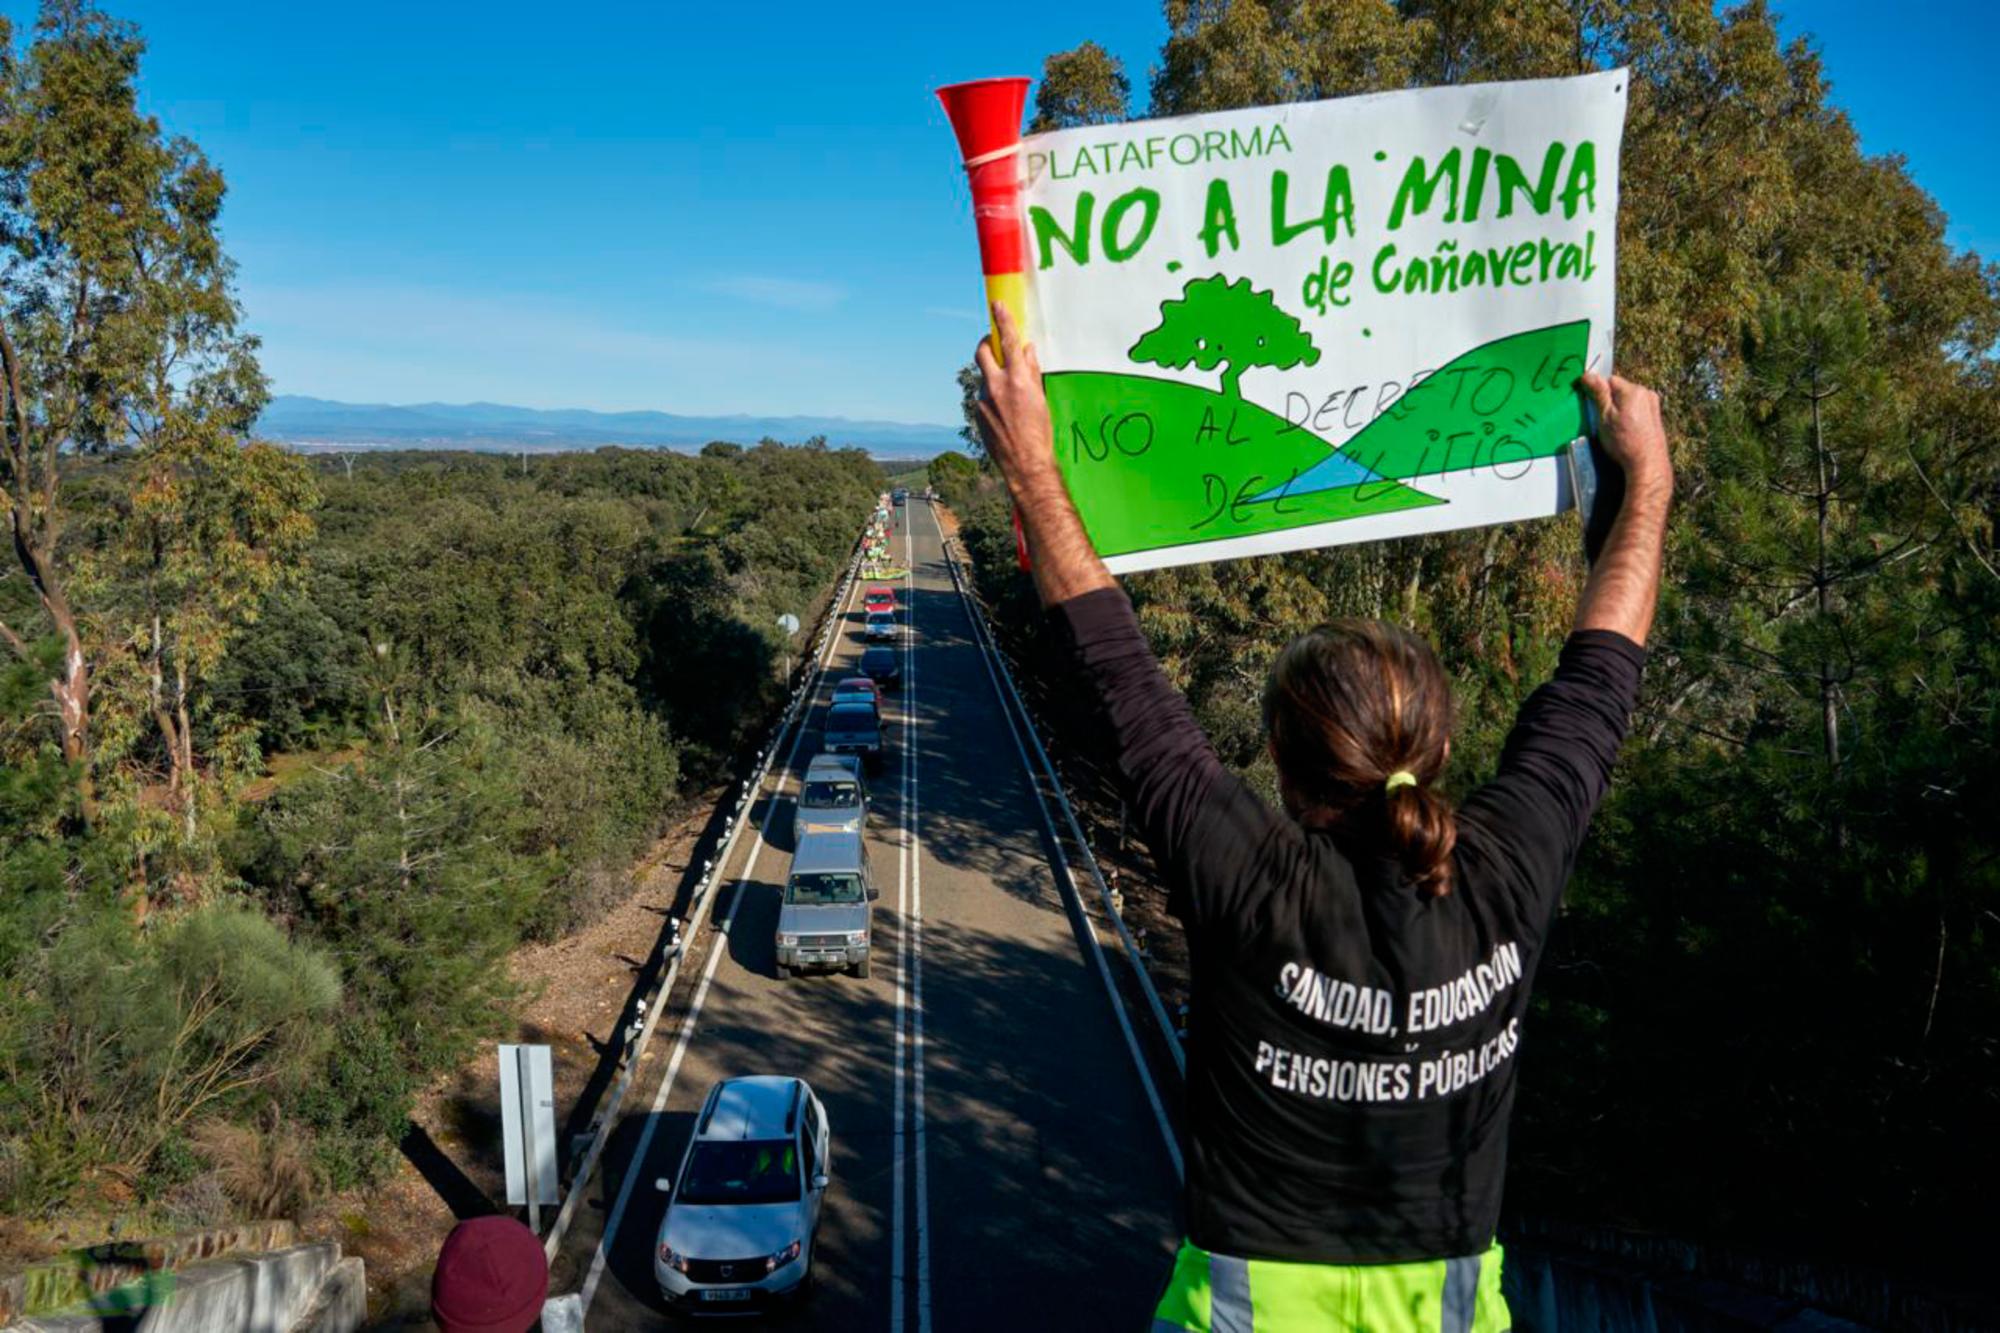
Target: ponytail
1421,830
1359,714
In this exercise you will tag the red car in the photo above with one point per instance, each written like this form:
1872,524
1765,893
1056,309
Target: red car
878,599
858,689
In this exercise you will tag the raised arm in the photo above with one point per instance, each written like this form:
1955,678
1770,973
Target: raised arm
1528,823
1016,414
1624,584
1203,826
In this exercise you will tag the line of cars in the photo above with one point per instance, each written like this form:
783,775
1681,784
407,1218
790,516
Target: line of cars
823,922
755,1173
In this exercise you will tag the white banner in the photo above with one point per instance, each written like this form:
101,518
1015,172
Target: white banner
1324,322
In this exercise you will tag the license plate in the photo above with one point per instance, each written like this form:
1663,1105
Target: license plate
726,1294
817,957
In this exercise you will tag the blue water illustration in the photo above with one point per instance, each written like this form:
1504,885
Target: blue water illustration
1336,471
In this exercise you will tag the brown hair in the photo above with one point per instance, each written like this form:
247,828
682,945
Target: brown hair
1349,705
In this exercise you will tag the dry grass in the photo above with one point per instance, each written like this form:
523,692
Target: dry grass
265,1168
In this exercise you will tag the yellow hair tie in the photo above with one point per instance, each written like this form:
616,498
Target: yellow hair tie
1402,777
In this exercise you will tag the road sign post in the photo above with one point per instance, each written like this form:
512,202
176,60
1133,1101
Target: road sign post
789,623
528,1128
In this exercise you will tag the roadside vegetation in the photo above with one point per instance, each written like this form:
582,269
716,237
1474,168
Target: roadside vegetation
1769,1016
295,750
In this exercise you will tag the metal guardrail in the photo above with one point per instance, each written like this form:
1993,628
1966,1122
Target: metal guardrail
1168,1032
650,1008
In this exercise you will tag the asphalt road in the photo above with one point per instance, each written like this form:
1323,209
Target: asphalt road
995,1162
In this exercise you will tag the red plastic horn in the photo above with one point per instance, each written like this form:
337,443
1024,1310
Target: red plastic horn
986,116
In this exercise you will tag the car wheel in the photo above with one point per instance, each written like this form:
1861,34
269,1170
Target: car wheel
861,969
783,972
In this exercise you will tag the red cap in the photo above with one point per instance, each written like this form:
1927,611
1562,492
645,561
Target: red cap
491,1277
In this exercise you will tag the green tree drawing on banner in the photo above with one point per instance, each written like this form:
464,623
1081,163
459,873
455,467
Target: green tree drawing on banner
1217,322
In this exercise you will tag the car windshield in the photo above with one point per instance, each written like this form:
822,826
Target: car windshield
757,1171
811,890
880,618
832,795
852,717
879,659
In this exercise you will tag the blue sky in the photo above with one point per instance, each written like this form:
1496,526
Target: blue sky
719,208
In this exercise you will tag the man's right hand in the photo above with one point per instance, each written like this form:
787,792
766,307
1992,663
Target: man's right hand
1019,439
1624,583
1014,409
1630,430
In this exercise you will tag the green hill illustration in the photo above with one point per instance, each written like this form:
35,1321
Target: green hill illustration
1154,462
1494,407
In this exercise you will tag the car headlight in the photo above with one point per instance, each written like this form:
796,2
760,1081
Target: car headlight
677,1262
782,1257
789,941
857,937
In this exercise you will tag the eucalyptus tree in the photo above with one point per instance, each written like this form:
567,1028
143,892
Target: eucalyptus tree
119,335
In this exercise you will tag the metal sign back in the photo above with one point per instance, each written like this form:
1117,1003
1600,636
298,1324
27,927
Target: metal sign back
528,1124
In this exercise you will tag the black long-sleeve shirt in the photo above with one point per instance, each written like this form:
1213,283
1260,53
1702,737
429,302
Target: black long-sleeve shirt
1352,1044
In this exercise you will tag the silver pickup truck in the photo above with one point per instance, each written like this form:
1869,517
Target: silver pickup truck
824,921
832,797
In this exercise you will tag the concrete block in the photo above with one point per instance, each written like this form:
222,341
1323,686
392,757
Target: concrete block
342,1306
69,1279
265,1293
287,1282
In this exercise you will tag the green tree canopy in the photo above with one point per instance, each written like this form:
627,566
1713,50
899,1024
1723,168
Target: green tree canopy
1217,322
1084,86
955,476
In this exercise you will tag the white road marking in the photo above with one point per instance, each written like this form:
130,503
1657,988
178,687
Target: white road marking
898,1267
917,949
717,946
1095,951
909,985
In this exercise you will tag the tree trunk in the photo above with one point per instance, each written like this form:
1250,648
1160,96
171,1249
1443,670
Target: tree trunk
184,756
1232,380
167,719
1829,712
31,472
1829,688
71,692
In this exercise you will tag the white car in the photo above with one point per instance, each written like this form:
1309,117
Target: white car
738,1234
881,625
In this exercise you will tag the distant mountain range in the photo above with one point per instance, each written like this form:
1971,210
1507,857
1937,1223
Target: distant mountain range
325,423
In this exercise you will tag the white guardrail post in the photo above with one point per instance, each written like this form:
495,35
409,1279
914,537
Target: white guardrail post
990,645
712,873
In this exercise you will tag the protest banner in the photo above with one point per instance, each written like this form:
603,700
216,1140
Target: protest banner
1302,325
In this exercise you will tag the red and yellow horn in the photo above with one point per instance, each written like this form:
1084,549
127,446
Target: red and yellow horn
986,116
